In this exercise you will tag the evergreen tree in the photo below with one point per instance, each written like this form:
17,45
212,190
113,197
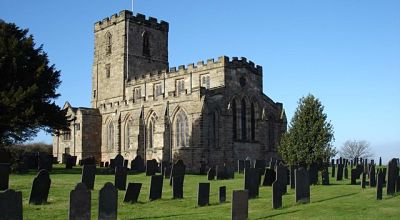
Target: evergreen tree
309,137
27,87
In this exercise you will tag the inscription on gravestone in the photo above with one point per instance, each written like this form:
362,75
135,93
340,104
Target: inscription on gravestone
132,193
80,203
11,205
108,202
40,188
240,205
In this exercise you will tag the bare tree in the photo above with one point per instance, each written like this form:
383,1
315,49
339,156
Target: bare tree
353,148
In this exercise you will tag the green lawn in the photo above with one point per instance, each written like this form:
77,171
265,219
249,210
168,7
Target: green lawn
337,201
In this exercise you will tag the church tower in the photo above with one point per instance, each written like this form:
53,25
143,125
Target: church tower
125,47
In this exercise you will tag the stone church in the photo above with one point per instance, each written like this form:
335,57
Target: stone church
208,113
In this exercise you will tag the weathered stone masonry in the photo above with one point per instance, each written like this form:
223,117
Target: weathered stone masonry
210,113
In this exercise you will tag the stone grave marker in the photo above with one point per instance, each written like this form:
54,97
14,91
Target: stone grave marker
276,195
221,172
5,156
137,164
222,194
240,166
392,177
240,205
132,193
106,164
112,164
269,177
380,161
372,176
354,176
11,205
178,169
211,174
302,185
313,174
88,176
151,167
119,161
79,203
379,185
203,195
281,178
251,182
40,188
156,186
346,172
70,161
325,176
247,164
333,167
45,162
363,180
177,187
120,177
4,175
339,175
230,172
398,184
101,164
384,170
126,163
108,202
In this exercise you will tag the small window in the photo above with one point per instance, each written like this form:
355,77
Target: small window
77,126
108,70
94,93
157,90
137,93
67,135
180,86
108,43
205,81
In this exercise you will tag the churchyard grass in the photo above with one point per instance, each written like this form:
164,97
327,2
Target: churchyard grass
340,200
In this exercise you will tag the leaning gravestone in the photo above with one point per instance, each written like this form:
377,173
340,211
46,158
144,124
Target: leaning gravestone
119,161
132,193
211,174
302,186
156,186
240,205
392,177
11,205
88,176
177,187
137,164
251,181
40,188
4,176
222,194
151,167
80,203
203,195
108,202
379,185
120,177
269,177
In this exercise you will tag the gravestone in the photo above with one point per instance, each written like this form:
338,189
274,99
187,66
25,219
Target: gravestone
333,167
292,169
384,170
119,161
211,174
269,177
70,161
120,177
247,164
221,172
163,167
372,176
281,178
88,161
230,172
392,177
380,161
108,202
178,169
40,188
126,163
398,184
354,176
339,175
88,176
137,164
276,195
222,194
156,186
346,172
240,205
240,166
4,176
260,164
302,186
363,180
45,162
313,174
177,187
325,176
379,185
11,205
106,164
101,164
251,182
151,167
112,164
132,193
5,156
203,195
79,203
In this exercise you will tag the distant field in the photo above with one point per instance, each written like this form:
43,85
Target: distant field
337,201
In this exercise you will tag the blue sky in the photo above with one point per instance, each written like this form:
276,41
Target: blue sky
345,52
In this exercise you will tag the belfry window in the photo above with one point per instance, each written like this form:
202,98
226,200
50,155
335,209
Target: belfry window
110,136
205,81
108,43
181,130
146,44
180,86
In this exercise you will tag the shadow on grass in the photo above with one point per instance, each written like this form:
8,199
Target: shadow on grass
283,213
167,216
336,197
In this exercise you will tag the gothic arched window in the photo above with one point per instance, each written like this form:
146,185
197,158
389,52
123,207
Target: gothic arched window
128,133
110,136
253,123
108,42
150,132
244,120
234,127
146,44
181,130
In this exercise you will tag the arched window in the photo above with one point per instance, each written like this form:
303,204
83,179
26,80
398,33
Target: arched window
244,120
146,44
108,42
128,133
234,127
253,123
181,130
150,132
110,136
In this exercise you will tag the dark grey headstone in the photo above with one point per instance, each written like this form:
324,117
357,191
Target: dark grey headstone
325,176
346,172
88,176
372,176
398,184
269,177
281,178
333,167
120,177
251,181
40,188
79,203
119,161
45,162
137,164
178,169
221,172
392,172
108,202
313,174
302,186
151,167
240,166
363,180
203,195
11,205
156,186
240,205
177,187
379,185
354,176
70,161
247,164
380,161
132,193
4,176
222,194
211,174
126,163
340,170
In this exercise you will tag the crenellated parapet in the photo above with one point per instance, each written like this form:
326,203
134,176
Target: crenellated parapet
138,19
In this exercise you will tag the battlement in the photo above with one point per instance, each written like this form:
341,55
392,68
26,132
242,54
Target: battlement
138,19
222,61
